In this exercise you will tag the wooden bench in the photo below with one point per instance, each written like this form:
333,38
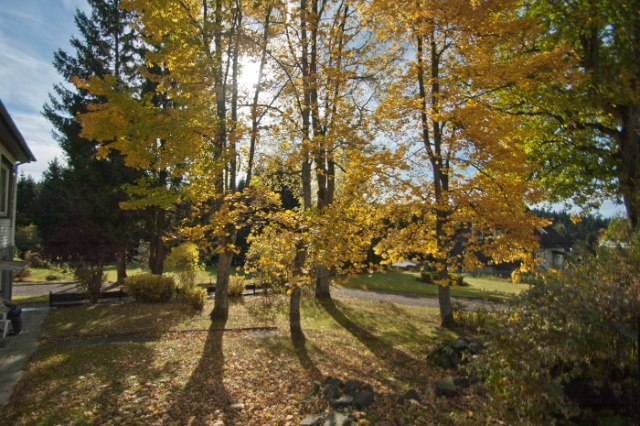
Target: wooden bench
71,299
250,289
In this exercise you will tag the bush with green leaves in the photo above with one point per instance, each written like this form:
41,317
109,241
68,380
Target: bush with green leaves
89,281
526,277
237,285
27,239
184,260
149,288
567,348
20,275
194,297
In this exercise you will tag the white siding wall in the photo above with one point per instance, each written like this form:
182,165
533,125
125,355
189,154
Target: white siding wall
5,234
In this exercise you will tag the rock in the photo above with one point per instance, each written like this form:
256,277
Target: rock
333,381
459,344
311,421
411,394
446,387
343,402
237,406
218,423
475,347
352,386
363,398
331,391
462,382
336,419
445,361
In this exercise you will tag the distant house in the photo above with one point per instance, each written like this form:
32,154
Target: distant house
553,249
13,152
551,254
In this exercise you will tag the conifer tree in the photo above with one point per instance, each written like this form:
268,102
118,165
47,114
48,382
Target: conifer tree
107,45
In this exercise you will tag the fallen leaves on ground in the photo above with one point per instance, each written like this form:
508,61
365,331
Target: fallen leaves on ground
188,374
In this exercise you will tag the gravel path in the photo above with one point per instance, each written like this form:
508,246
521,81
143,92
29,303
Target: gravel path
38,289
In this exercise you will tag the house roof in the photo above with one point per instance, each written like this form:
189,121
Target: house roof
550,238
12,139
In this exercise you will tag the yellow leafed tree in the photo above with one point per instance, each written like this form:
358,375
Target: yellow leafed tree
465,172
188,126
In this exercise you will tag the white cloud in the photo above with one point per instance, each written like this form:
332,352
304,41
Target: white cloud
30,32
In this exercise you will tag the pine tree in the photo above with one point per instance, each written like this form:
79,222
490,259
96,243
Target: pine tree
93,186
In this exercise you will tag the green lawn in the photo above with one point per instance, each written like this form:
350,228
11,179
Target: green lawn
206,276
38,275
406,282
391,281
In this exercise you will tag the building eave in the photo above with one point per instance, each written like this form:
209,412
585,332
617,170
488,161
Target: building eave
13,139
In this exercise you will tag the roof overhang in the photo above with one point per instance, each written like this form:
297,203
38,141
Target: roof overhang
12,138
13,265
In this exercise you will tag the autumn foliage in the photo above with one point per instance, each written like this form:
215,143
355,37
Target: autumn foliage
567,348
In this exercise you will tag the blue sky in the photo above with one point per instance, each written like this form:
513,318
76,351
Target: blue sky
30,31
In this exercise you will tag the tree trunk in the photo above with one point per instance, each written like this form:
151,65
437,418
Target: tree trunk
296,293
255,120
94,292
221,306
121,264
323,282
629,148
156,245
294,314
446,308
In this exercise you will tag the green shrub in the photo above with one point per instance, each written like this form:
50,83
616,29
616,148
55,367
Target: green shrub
89,281
569,344
194,297
20,275
531,278
184,260
36,260
51,277
431,277
149,288
237,285
27,239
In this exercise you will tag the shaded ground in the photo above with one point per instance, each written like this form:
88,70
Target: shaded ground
176,369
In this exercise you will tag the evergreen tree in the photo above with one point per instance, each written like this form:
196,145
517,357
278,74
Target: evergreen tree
27,197
92,186
52,203
585,229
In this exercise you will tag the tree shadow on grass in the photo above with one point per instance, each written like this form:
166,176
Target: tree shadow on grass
396,361
206,379
299,346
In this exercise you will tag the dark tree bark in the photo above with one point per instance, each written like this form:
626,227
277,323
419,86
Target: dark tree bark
121,264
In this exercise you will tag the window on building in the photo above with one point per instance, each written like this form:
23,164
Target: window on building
5,178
